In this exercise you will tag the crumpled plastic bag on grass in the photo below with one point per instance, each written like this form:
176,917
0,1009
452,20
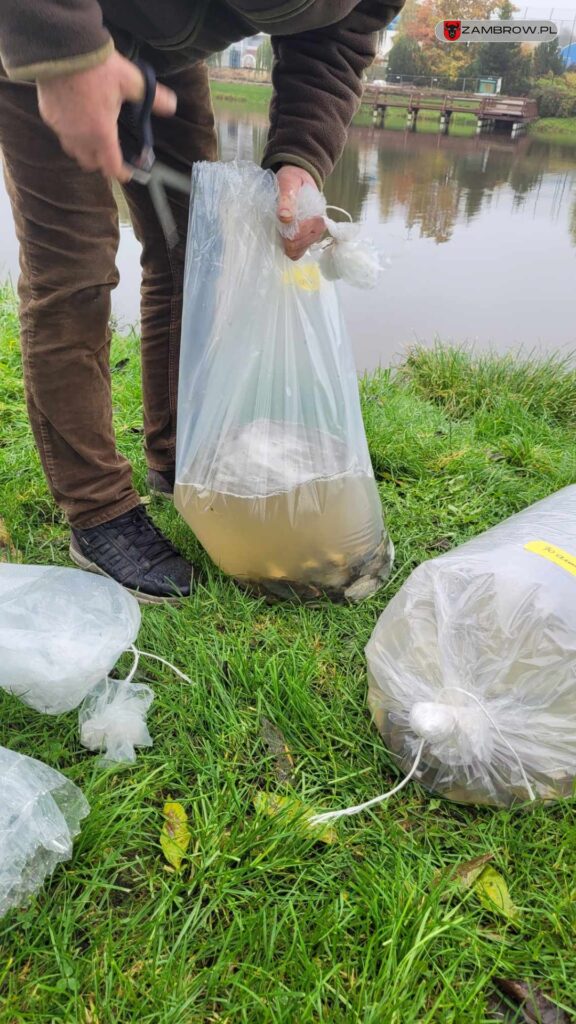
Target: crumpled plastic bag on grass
61,633
476,655
40,814
112,719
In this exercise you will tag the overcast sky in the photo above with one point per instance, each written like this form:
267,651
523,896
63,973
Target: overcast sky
564,10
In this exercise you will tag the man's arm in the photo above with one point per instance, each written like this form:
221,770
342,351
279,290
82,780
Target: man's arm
37,39
317,78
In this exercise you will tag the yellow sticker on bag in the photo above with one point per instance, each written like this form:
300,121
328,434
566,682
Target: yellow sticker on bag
307,277
553,554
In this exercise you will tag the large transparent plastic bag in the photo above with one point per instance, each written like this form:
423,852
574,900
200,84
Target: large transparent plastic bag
61,633
475,658
273,473
40,814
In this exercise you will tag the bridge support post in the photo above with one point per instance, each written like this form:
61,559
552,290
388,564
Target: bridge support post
445,122
411,120
480,125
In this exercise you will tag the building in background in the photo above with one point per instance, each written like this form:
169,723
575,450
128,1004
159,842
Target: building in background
569,55
243,53
386,39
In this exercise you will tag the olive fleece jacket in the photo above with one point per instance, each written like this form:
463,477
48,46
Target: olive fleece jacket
321,48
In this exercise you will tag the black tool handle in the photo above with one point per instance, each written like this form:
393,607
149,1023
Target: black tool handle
135,124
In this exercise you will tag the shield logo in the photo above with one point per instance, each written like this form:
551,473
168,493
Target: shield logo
452,30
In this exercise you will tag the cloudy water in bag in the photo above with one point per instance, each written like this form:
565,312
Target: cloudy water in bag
314,526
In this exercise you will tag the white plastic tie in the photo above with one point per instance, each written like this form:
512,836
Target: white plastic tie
338,209
436,726
321,819
155,657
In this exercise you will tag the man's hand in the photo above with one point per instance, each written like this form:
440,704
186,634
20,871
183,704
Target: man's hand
83,108
290,181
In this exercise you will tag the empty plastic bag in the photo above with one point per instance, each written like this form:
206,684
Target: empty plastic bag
40,814
113,719
273,472
474,662
61,633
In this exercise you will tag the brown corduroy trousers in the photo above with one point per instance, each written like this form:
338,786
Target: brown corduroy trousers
67,226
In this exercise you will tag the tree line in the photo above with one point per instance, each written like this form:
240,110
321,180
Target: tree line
418,54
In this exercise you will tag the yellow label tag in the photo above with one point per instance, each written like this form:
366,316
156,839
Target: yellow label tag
553,554
307,277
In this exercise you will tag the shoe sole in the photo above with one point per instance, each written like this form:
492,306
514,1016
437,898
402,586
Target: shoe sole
88,566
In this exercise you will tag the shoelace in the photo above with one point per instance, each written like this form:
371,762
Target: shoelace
145,536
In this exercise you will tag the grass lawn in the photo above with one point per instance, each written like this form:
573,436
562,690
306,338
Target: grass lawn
264,924
253,95
554,128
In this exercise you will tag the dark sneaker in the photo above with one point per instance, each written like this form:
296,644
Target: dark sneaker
162,483
133,551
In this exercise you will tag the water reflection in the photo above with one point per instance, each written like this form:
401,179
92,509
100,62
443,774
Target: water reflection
465,226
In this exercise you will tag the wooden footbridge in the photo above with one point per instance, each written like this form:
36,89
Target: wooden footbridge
513,113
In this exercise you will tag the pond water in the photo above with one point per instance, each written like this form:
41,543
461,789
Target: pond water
477,236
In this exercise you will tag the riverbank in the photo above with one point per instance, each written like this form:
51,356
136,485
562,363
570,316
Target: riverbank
263,925
255,97
555,128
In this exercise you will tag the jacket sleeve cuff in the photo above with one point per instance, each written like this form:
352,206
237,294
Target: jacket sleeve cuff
46,69
273,161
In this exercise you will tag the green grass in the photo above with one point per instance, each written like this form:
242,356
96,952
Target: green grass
252,95
263,925
554,128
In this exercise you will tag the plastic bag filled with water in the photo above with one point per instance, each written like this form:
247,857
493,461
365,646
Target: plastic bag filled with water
476,656
40,814
273,473
61,633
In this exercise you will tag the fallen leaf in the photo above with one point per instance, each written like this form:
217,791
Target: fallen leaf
5,541
536,1008
442,544
464,874
486,933
292,808
276,743
175,834
121,364
7,549
492,892
90,1012
468,872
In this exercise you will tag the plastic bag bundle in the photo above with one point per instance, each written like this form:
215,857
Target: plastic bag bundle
40,814
113,719
273,472
61,633
345,255
475,660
